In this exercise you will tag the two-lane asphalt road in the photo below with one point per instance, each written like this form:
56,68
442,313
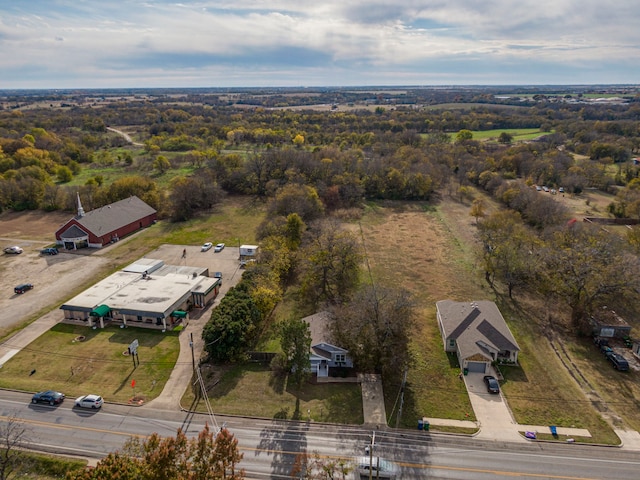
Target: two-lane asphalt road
270,447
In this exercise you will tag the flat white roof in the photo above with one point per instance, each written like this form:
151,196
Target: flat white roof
157,294
142,265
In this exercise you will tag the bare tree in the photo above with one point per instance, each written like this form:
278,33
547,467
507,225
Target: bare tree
375,327
13,434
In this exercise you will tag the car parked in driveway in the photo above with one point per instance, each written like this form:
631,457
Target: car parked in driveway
492,384
49,251
23,287
206,247
219,248
48,396
89,401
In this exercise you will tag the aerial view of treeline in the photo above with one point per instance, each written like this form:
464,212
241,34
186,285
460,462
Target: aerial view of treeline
184,151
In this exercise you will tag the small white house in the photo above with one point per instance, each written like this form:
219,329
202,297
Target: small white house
323,355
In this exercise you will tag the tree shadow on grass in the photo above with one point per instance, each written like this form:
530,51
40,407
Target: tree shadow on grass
75,330
231,376
277,382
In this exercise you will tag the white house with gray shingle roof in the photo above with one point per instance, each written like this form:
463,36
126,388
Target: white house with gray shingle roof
477,333
105,225
324,355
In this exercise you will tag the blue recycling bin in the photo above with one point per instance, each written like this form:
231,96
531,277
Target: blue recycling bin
420,424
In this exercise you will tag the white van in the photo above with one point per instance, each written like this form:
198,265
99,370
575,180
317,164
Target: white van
377,467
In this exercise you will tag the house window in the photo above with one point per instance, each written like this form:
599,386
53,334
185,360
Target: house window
452,343
341,357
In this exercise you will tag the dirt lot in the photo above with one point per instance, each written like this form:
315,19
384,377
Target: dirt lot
54,278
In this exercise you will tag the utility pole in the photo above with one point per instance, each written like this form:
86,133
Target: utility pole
404,381
193,357
373,442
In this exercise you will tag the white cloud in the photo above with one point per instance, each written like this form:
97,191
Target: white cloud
283,39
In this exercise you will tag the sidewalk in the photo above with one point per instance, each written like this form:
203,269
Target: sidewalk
24,337
494,419
182,374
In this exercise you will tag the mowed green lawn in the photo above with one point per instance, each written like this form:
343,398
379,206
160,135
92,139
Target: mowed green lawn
62,360
252,390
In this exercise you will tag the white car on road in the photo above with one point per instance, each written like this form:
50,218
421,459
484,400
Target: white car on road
89,401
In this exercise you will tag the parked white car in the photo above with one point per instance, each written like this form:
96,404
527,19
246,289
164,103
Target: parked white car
206,246
14,250
219,247
89,401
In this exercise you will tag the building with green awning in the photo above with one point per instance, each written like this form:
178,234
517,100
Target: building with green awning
100,311
147,293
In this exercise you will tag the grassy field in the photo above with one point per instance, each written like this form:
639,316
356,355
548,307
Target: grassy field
77,360
518,134
45,467
252,390
541,391
396,235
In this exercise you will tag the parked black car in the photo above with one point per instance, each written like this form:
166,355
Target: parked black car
619,362
25,287
49,251
492,384
48,396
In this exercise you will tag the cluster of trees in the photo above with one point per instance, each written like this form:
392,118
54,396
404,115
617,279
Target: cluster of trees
208,457
394,152
313,256
580,264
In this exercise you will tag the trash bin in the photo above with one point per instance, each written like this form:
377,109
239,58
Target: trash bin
425,425
466,370
420,424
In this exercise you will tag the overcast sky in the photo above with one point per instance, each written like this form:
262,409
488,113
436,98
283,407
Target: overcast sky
230,43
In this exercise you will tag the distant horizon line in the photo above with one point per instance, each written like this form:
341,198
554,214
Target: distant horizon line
333,87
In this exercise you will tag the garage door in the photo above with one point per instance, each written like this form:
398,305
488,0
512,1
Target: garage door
477,367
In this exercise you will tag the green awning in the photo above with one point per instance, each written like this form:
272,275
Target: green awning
179,314
100,311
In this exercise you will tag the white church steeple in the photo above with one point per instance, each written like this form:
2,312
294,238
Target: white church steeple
80,209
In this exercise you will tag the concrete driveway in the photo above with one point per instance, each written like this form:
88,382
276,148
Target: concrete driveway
492,412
